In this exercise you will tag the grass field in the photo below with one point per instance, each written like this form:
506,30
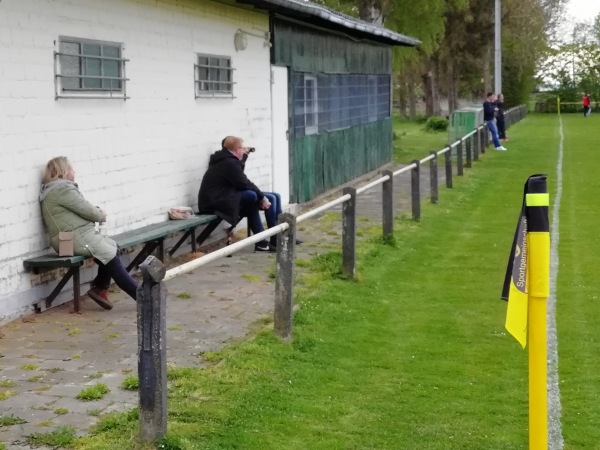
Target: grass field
413,142
414,355
578,294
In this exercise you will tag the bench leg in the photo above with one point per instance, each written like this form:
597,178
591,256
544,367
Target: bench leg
194,247
76,290
148,248
208,230
161,250
182,240
72,272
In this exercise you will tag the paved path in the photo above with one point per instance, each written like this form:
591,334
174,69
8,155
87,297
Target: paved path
47,359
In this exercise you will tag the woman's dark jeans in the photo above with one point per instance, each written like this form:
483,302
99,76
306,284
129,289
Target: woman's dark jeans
115,270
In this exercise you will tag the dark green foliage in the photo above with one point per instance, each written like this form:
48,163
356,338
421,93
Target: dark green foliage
436,123
421,119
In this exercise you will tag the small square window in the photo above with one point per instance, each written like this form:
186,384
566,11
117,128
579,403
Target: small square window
89,69
213,76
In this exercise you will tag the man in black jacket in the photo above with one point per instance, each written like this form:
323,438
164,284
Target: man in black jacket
500,123
226,191
489,111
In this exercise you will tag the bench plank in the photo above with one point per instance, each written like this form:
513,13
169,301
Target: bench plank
159,230
53,260
124,240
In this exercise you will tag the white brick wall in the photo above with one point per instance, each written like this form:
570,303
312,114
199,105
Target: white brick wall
134,158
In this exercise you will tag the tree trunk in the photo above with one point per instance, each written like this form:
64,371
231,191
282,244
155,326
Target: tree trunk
451,72
426,77
435,88
412,97
487,72
402,97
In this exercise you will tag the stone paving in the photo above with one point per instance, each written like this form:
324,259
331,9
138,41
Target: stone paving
47,359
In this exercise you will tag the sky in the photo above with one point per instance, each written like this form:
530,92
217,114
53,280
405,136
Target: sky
583,9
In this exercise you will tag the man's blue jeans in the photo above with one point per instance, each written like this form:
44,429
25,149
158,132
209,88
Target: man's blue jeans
249,210
272,214
492,127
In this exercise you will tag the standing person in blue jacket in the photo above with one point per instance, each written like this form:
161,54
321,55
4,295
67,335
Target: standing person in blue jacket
489,111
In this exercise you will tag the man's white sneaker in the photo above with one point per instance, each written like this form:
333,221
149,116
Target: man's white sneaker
501,148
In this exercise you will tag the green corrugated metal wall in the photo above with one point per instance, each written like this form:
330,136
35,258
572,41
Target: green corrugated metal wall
323,161
311,50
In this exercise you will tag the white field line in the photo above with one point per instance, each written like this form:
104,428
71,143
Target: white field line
555,438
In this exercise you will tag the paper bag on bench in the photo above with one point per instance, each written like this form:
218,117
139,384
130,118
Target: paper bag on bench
180,212
65,243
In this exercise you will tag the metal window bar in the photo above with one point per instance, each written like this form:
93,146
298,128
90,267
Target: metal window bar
214,88
122,92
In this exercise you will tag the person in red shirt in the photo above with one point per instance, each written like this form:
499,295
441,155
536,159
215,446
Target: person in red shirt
586,105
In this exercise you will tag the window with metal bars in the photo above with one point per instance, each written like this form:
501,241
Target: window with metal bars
88,68
328,102
213,76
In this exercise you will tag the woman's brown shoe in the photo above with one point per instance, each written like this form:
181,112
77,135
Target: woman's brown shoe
100,296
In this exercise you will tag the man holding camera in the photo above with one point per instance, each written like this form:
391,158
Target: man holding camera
227,192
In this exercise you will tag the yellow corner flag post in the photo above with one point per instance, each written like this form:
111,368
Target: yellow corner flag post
526,287
558,105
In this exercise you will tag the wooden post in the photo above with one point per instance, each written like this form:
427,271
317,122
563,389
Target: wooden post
459,159
467,144
152,350
448,161
481,135
387,201
415,189
349,234
475,145
433,177
284,278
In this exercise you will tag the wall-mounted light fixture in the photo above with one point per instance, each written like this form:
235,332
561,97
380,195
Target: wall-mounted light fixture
240,39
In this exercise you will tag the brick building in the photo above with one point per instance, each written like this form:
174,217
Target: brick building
138,93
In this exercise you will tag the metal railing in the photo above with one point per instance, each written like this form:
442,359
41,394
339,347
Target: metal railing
152,294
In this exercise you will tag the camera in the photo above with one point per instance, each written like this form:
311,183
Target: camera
251,150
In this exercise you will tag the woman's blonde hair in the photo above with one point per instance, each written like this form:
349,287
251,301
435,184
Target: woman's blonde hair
56,168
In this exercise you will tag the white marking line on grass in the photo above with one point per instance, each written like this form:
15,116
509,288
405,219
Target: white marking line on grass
555,438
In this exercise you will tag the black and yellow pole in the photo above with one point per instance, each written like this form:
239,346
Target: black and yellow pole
526,287
537,201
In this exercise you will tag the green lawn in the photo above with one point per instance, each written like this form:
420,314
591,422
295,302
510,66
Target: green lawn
414,355
413,142
578,298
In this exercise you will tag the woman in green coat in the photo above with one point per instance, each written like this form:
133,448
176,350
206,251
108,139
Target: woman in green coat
65,209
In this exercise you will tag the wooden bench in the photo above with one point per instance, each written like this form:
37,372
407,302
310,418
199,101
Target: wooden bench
152,236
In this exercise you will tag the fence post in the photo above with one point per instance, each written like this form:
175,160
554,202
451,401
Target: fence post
349,234
448,161
475,147
481,136
387,201
415,189
284,277
467,143
433,177
152,350
459,158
